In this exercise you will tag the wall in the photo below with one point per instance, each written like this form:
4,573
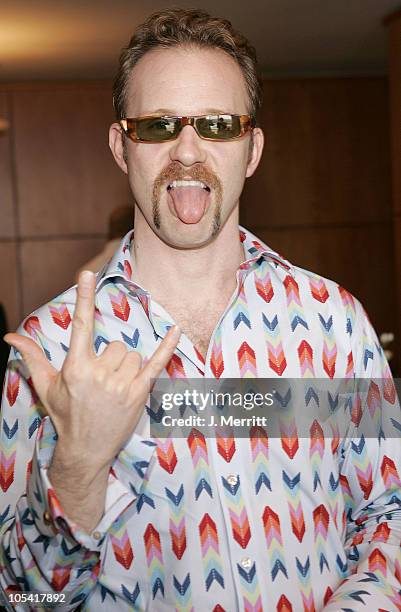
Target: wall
59,183
394,32
321,196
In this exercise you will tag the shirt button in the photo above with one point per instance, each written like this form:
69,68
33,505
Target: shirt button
232,480
246,563
97,535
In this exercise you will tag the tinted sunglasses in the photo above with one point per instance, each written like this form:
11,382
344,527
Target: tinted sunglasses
208,127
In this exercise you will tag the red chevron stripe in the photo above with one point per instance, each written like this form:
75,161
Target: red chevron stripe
356,411
329,362
365,481
283,605
60,316
6,473
241,531
123,554
291,286
290,444
382,533
178,540
277,361
167,457
297,522
246,352
28,471
271,521
152,539
13,386
127,268
319,290
346,297
225,447
397,571
60,577
257,436
120,306
305,353
20,536
174,368
350,365
389,472
316,435
321,518
327,596
264,288
32,326
207,528
196,439
217,363
377,562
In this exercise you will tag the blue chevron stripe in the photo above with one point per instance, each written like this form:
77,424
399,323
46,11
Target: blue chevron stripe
241,318
262,479
132,597
203,485
182,588
278,567
298,320
311,395
176,499
271,325
326,324
212,576
132,342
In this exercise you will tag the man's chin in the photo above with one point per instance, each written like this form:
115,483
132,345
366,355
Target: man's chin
188,235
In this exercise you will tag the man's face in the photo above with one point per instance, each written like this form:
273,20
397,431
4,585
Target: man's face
187,81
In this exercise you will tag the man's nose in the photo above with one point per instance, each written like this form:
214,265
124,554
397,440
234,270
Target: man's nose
188,148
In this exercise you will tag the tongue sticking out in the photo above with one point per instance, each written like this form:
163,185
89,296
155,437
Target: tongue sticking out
189,203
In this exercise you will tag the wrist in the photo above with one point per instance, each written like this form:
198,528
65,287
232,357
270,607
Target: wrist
75,472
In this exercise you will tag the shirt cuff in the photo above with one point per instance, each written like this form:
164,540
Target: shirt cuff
124,486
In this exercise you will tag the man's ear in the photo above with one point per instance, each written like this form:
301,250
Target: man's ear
117,146
255,150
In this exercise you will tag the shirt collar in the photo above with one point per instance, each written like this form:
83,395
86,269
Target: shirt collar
255,249
120,264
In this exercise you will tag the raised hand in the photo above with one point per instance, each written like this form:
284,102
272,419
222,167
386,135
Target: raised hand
94,402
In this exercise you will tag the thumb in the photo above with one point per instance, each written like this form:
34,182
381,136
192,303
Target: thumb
42,373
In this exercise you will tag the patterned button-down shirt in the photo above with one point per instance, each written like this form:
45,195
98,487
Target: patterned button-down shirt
220,524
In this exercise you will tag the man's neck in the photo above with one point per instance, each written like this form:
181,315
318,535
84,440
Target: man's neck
199,273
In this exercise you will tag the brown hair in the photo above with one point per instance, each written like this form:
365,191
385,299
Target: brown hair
176,26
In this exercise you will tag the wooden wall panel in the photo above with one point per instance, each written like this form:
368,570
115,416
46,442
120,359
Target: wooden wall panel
394,31
9,287
395,106
68,181
326,158
7,223
322,194
49,267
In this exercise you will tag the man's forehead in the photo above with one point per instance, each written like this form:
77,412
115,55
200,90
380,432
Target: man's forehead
173,81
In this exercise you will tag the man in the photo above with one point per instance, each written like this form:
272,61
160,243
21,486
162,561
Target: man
114,519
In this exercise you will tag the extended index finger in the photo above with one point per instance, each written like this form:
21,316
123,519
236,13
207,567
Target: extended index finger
84,315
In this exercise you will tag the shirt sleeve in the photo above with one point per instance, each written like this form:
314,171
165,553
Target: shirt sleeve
41,550
371,484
